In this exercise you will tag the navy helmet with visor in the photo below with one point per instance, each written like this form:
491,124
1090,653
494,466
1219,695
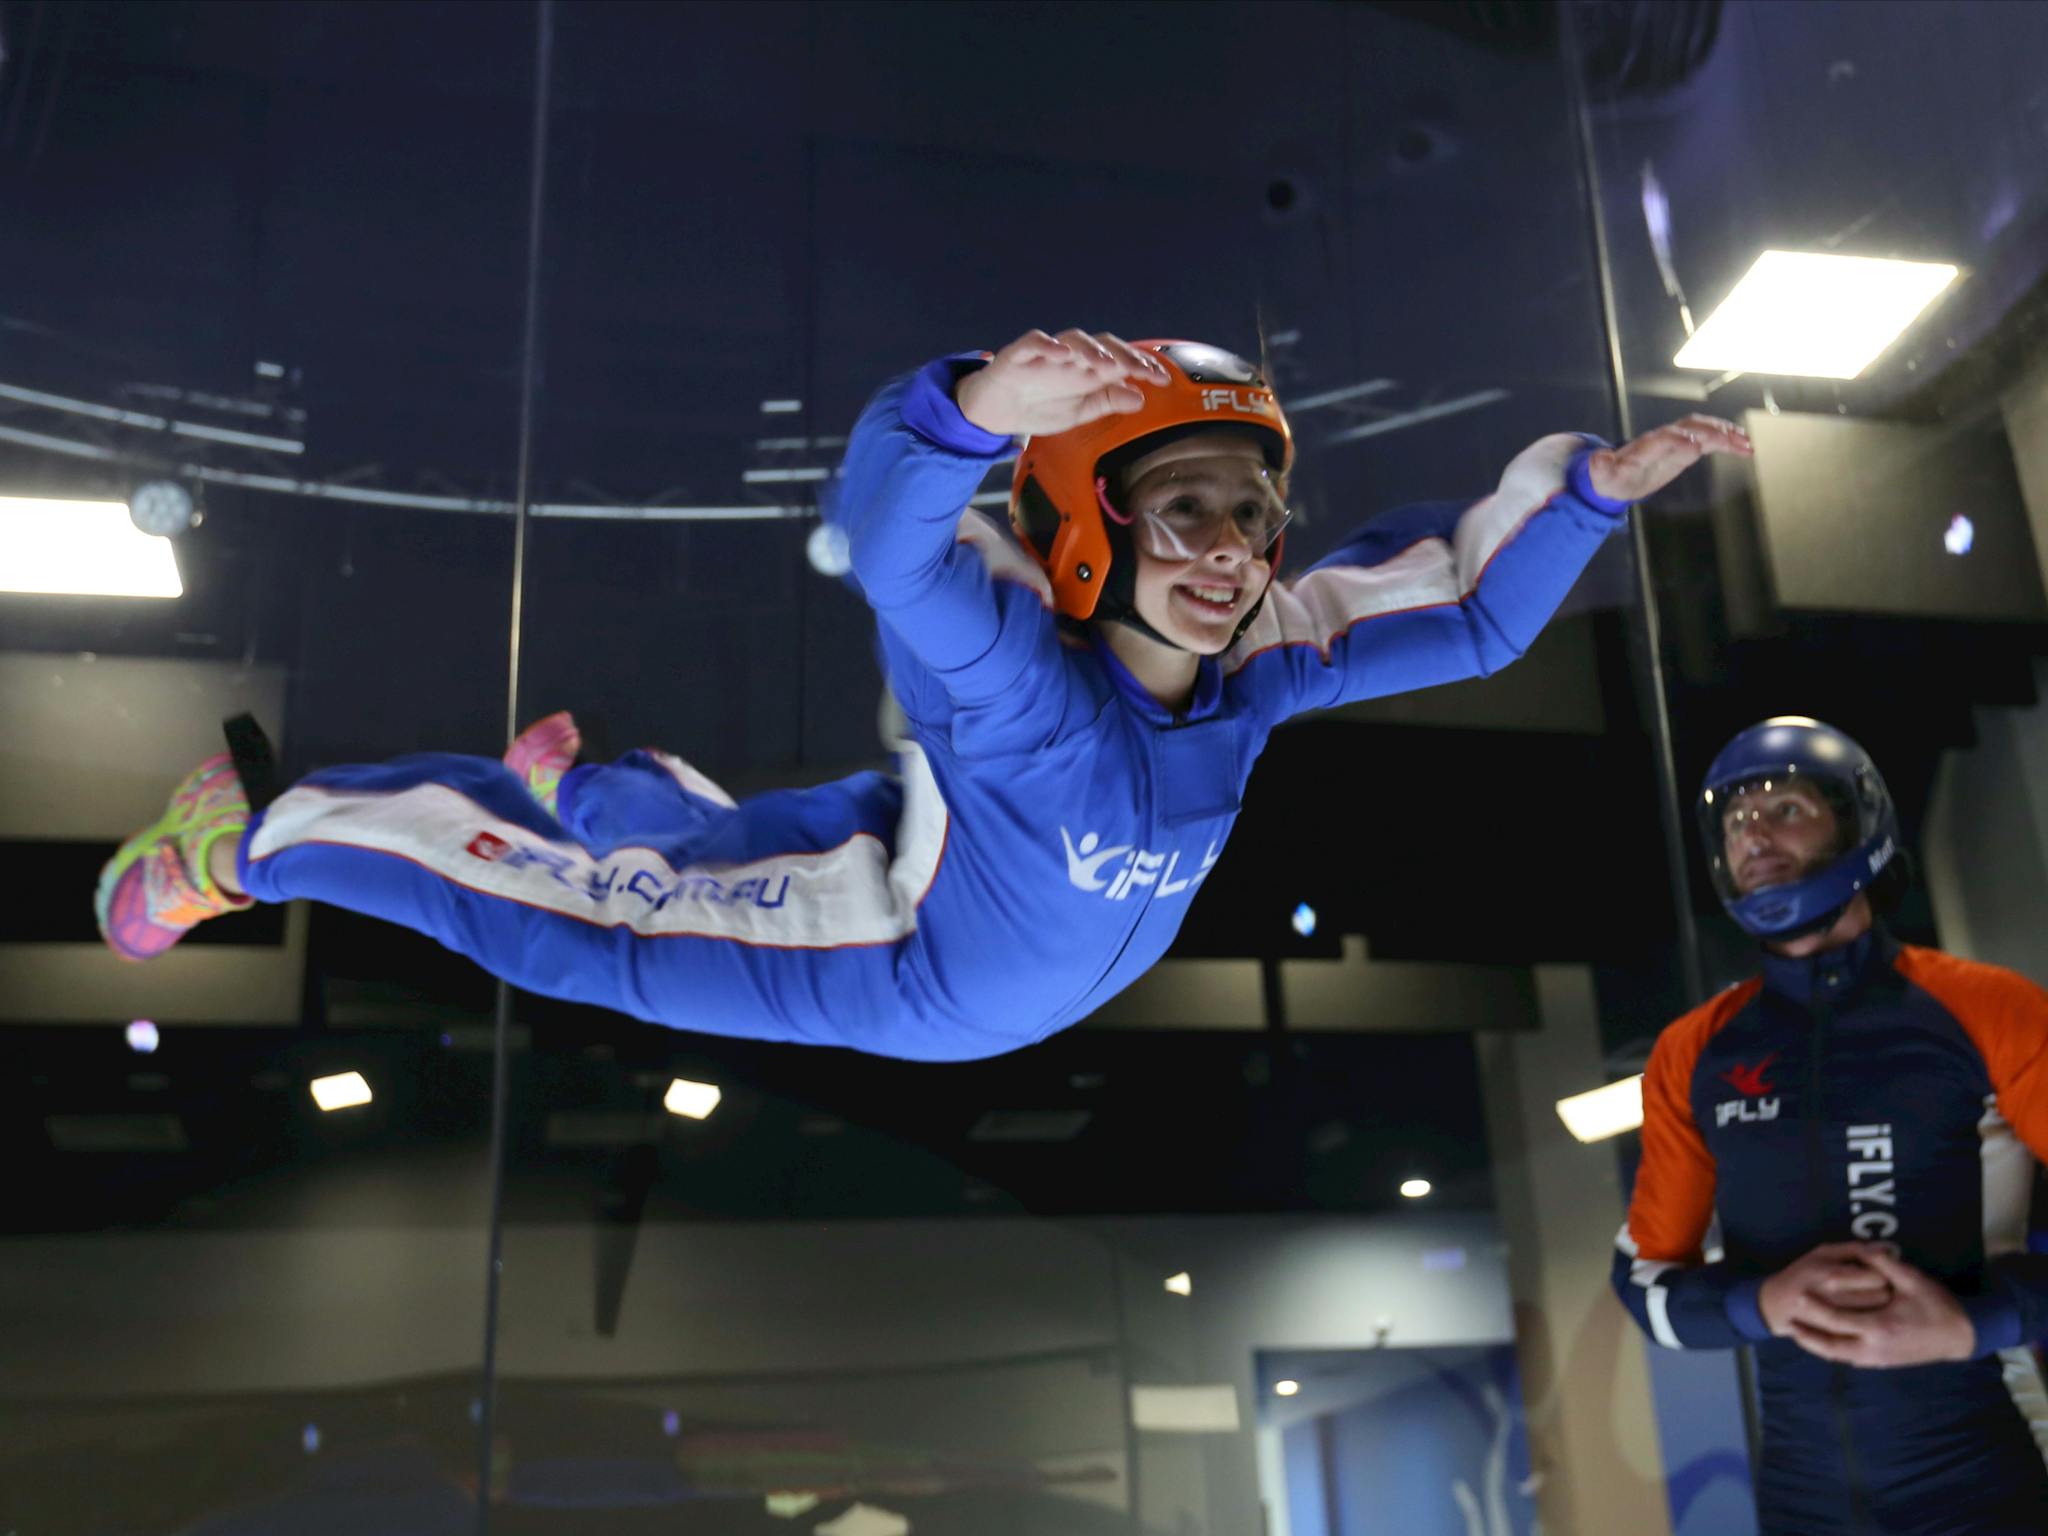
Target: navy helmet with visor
1773,768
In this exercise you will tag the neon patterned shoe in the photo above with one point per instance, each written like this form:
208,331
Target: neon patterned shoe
155,889
543,752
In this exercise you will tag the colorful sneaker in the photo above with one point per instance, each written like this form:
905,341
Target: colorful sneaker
544,752
155,889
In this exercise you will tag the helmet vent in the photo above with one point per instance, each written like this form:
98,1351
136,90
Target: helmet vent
1039,517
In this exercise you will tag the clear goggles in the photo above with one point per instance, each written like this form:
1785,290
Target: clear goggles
1184,510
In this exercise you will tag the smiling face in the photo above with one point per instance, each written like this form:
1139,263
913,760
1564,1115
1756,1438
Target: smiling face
1773,834
1204,514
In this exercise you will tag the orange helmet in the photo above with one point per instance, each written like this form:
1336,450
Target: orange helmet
1056,491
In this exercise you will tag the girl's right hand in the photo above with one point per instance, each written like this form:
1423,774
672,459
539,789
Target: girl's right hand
1042,384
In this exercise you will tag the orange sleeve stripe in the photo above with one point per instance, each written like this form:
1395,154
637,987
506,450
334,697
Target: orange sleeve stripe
1673,1201
2006,1017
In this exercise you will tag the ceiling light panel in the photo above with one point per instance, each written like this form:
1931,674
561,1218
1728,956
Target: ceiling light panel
81,549
1814,316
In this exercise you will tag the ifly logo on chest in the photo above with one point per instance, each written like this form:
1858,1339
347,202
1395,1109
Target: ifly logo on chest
1748,1079
1088,860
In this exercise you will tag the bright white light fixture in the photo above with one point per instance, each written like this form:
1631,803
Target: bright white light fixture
1286,1388
1604,1112
344,1090
142,1037
1961,534
1304,919
1415,1189
81,549
1824,317
1180,1284
693,1101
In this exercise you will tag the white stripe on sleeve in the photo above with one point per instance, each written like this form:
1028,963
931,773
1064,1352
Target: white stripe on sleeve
1657,1298
1660,1318
1317,608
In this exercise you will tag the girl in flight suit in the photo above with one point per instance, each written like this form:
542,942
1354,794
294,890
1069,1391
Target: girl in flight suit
1086,693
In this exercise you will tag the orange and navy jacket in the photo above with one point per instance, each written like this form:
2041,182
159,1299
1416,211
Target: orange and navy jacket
1878,1092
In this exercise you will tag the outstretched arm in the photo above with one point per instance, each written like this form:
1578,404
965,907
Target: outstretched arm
1447,590
967,604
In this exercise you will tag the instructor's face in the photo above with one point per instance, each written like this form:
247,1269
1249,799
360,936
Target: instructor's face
1772,836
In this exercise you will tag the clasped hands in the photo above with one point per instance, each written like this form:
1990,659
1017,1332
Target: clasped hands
1860,1304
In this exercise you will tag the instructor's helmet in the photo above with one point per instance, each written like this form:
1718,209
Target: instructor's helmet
1763,760
1063,482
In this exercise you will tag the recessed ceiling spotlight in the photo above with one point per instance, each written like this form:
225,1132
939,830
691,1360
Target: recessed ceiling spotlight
693,1101
344,1090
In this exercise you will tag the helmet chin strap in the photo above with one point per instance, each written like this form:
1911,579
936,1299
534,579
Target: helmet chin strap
1119,601
1116,609
1825,920
1807,930
1127,614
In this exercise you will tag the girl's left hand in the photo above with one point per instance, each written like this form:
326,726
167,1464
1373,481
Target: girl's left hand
1646,465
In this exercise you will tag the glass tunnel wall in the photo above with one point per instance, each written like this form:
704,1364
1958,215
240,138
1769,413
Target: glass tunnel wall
225,1308
507,354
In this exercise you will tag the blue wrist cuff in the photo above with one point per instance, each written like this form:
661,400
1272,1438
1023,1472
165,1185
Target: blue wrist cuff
1996,1320
1742,1303
930,410
1579,480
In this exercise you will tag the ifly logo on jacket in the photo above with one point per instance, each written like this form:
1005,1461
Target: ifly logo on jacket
1873,1188
1119,869
1750,1082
